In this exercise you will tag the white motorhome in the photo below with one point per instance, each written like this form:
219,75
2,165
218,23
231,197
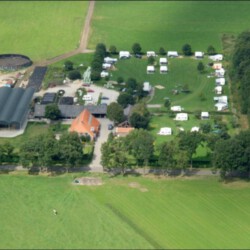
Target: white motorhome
124,54
172,54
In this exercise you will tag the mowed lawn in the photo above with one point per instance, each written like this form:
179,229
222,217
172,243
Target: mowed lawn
168,24
41,29
124,213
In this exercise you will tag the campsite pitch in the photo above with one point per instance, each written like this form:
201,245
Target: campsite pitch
150,212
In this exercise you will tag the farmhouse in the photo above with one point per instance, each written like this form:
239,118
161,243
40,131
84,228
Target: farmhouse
165,131
151,53
218,57
199,54
220,81
147,87
150,69
172,54
181,117
176,108
163,61
124,54
85,124
163,69
218,90
204,115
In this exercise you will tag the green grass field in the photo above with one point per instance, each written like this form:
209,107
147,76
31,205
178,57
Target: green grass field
156,213
41,29
168,24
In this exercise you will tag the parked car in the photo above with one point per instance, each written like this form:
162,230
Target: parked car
105,98
110,126
138,56
85,85
90,90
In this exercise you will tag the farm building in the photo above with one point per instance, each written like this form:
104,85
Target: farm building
151,53
172,54
14,106
104,73
220,81
85,124
110,60
163,61
48,98
204,115
195,129
163,69
150,69
165,131
218,57
37,77
147,87
181,117
124,54
199,54
218,90
176,108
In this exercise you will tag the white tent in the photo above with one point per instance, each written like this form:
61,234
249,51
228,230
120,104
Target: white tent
163,69
220,81
147,86
172,54
218,90
124,54
150,53
199,54
163,60
176,108
204,115
218,57
150,69
104,74
220,72
181,117
165,131
221,106
195,129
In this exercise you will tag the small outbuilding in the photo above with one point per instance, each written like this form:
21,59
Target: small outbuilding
163,69
124,54
165,131
181,117
199,54
172,54
151,53
150,69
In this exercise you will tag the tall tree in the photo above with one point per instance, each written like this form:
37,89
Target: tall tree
124,99
200,67
187,50
211,50
136,48
115,112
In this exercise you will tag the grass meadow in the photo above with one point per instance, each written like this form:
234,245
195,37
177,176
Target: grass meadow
124,213
41,29
168,24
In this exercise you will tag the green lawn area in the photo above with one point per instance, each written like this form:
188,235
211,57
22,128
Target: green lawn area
156,213
168,24
41,29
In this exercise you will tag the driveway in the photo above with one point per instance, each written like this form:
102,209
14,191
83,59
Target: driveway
95,165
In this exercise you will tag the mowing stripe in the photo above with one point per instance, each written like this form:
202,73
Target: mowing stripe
141,232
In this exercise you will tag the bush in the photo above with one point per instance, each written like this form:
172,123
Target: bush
187,50
74,75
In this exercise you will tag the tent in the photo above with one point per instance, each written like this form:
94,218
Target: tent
198,54
220,81
163,69
150,69
124,54
165,131
163,60
176,108
181,117
150,53
172,54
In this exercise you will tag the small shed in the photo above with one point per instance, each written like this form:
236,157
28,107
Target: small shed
176,108
199,54
220,81
163,61
124,54
204,115
151,53
181,117
163,69
150,69
165,131
147,87
172,54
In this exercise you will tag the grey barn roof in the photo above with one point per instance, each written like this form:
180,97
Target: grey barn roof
72,111
14,105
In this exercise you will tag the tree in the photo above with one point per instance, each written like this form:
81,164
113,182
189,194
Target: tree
95,75
131,83
115,112
202,96
112,50
74,75
151,60
206,127
124,99
68,65
187,50
120,79
136,48
211,50
139,121
167,104
200,67
162,51
101,49
52,112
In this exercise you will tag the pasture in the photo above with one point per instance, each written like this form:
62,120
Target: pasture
124,213
41,29
168,24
